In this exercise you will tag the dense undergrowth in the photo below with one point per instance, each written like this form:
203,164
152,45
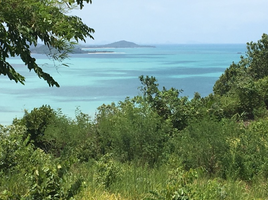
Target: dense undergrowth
154,146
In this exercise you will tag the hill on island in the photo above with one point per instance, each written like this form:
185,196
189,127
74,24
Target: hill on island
120,44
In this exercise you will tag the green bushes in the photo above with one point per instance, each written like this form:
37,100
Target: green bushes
30,173
202,161
154,146
206,144
13,147
244,84
107,170
132,133
192,184
225,149
167,103
251,151
66,137
36,123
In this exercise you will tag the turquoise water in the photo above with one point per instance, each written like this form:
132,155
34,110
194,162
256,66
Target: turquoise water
94,79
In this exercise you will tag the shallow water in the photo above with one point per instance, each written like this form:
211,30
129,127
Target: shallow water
94,79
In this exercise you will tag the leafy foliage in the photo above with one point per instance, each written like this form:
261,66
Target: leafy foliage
25,22
167,104
36,123
132,132
240,83
205,144
107,171
37,175
154,146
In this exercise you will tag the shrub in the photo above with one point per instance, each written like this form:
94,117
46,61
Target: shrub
30,173
107,171
36,123
205,144
132,132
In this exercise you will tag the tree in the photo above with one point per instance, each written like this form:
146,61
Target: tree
229,79
256,58
253,66
242,87
23,23
168,104
36,123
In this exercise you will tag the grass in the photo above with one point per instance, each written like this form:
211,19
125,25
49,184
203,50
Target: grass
133,182
137,183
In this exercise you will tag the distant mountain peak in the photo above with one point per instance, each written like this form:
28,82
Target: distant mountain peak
119,44
122,44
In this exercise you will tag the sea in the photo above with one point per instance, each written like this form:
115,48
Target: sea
111,75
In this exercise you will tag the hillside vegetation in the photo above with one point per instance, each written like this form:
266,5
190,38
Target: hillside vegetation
155,146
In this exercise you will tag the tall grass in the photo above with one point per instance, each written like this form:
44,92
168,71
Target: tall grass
167,182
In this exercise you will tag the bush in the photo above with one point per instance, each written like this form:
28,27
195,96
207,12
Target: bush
192,184
36,123
132,132
250,151
69,137
206,144
107,171
30,173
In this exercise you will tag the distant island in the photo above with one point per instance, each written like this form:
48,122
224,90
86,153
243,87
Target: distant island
120,44
42,49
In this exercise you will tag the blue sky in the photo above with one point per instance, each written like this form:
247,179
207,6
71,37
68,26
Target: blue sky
176,21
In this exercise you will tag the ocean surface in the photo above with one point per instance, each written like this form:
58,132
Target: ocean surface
96,78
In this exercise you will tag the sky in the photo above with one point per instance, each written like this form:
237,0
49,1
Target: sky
176,21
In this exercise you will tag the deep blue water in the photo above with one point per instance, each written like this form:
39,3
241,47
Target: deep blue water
94,79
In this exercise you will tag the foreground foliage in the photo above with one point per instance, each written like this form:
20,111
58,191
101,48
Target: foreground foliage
25,22
154,146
